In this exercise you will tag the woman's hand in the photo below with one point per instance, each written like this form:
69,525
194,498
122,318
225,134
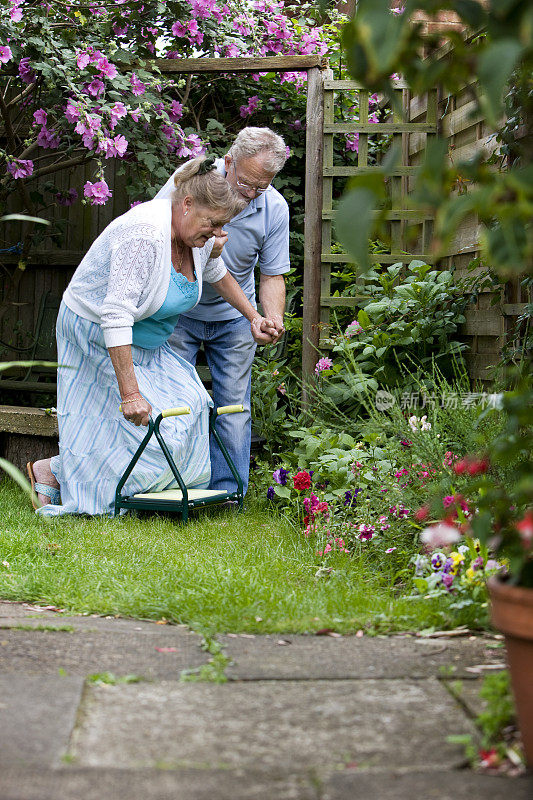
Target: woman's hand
218,245
137,410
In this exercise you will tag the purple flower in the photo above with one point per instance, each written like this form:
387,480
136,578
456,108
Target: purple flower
175,112
448,565
447,580
352,142
83,60
25,71
47,139
99,192
137,86
251,108
72,112
280,476
350,498
438,560
95,87
118,111
66,198
270,493
5,54
40,116
107,69
20,168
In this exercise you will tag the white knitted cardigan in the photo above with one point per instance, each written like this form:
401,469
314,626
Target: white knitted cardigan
125,274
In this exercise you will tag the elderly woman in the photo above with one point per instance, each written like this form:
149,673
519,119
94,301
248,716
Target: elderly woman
117,313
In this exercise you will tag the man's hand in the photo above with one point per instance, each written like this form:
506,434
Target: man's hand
263,330
218,245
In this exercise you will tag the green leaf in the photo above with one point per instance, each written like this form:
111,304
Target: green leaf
363,319
421,585
354,224
16,475
24,218
494,70
9,364
282,491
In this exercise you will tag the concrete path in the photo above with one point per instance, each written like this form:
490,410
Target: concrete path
300,718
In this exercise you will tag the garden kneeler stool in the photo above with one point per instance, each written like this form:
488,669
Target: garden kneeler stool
179,500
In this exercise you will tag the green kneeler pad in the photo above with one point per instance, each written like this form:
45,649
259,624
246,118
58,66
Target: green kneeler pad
177,495
180,500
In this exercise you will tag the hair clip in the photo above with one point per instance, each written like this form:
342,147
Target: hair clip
207,165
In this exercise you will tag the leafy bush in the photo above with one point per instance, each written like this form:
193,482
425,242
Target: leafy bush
405,329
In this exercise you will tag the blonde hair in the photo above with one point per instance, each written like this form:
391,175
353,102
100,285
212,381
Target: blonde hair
210,189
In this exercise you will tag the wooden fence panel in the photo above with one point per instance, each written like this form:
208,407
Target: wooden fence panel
467,134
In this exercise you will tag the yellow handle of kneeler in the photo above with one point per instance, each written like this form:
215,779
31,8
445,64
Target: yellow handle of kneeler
175,412
229,409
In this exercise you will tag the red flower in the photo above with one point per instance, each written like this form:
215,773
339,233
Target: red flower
422,514
525,529
477,466
460,466
489,758
472,466
302,481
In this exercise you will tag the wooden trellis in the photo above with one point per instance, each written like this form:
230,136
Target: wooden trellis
401,219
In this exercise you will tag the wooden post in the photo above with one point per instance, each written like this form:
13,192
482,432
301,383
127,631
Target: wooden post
313,221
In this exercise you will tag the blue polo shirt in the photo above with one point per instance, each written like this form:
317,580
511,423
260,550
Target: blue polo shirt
258,236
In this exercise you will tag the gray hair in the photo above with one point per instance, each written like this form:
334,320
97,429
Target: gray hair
209,189
252,142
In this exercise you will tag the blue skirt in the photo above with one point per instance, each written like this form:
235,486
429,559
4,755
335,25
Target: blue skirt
96,443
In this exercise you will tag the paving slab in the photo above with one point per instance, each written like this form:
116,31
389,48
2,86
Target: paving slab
11,608
458,785
13,615
154,653
290,725
282,657
181,784
37,716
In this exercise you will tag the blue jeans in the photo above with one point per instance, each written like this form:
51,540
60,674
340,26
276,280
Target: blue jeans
229,349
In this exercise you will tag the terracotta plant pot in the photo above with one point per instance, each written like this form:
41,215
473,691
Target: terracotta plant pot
512,614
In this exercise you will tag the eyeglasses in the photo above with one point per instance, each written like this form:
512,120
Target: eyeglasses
244,185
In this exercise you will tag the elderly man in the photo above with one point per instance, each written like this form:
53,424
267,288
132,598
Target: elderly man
257,237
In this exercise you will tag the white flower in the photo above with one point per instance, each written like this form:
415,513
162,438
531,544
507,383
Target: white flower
414,422
440,535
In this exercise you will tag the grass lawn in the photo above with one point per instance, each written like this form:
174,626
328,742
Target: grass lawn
220,573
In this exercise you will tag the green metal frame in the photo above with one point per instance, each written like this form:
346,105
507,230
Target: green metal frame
184,505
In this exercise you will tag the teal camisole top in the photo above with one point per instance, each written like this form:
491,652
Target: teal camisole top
154,331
